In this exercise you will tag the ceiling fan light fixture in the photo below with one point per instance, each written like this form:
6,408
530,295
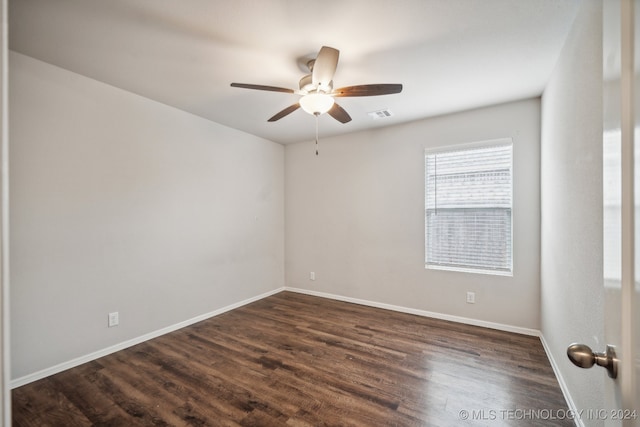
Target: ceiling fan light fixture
316,89
316,103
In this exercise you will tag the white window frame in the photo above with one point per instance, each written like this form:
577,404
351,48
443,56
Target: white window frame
463,147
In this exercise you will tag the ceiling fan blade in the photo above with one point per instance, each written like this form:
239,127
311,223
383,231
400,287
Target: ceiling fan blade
325,66
290,109
368,90
339,113
262,87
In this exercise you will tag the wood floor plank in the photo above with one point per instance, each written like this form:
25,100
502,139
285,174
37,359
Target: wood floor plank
88,398
297,360
45,398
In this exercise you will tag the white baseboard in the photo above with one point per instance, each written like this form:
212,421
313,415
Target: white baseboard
424,313
121,346
563,385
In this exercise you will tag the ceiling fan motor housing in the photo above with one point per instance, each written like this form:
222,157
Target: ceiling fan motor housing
307,86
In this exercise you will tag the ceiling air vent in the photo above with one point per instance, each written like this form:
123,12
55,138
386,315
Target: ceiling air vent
380,114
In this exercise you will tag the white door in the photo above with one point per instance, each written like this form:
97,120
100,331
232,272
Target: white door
629,390
621,216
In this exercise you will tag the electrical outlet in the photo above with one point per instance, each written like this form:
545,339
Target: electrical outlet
471,297
312,276
114,319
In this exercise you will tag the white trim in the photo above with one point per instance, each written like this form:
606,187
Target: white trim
497,142
563,385
626,383
470,270
5,365
478,145
424,313
121,346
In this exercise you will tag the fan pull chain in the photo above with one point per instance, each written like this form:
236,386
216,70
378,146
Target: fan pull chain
316,132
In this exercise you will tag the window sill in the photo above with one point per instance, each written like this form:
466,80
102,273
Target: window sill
469,270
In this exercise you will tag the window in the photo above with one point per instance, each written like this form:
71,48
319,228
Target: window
468,202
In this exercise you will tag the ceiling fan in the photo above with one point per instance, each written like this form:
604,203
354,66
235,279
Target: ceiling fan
317,89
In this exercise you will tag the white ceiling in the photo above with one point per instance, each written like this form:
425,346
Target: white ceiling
450,55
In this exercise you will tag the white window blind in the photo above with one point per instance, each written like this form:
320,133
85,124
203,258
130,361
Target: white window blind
468,208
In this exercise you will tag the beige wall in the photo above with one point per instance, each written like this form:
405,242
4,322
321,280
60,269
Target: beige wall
120,203
572,246
355,217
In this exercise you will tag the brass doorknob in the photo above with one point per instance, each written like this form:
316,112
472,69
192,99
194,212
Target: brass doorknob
582,356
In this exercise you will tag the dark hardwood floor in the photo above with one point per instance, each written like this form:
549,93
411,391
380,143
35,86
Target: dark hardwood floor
298,360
